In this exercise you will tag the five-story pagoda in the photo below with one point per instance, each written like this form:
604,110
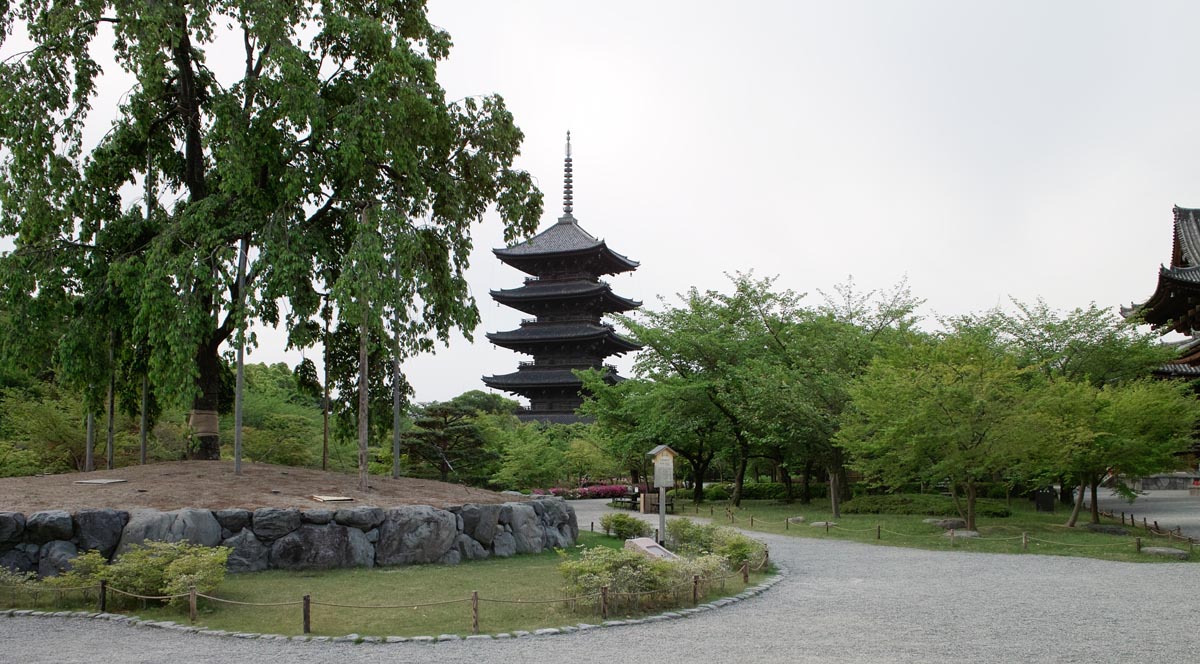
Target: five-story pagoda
568,299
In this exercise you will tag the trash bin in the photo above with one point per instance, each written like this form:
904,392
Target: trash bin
1044,499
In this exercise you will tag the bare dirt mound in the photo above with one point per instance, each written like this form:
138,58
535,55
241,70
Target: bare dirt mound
212,485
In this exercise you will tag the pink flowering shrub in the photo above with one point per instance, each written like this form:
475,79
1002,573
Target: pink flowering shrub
597,491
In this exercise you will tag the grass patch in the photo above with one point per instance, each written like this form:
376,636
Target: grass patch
527,578
997,535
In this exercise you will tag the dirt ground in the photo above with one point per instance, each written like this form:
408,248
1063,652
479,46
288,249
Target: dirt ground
212,484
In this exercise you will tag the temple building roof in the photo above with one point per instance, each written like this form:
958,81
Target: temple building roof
565,238
563,291
544,333
1175,303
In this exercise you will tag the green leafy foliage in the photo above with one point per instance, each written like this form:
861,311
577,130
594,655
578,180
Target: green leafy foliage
162,568
690,538
626,572
624,526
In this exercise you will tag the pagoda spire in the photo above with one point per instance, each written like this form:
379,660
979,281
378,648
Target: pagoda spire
568,199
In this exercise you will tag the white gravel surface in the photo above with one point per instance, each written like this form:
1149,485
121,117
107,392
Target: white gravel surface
840,602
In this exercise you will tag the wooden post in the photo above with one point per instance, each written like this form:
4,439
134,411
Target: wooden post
695,589
474,611
656,539
746,572
192,603
307,614
787,523
826,527
878,531
103,595
1122,518
1137,544
710,510
1024,541
593,527
751,520
1144,523
604,602
951,537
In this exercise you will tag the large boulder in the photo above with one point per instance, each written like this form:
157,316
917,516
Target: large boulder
950,524
233,520
1107,529
246,554
480,522
42,527
415,534
100,530
504,545
12,526
322,547
17,560
527,529
196,526
55,557
273,522
143,525
364,518
469,549
319,517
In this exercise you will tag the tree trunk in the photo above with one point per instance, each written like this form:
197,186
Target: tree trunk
396,413
144,422
699,470
739,480
1095,483
835,502
89,446
1078,503
240,385
325,389
805,486
787,483
363,403
970,505
112,401
207,401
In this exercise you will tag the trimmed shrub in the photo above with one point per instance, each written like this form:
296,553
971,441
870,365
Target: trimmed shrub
690,538
920,503
624,526
162,568
627,572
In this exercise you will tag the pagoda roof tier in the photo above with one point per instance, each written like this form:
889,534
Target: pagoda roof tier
1175,303
539,377
528,337
537,292
565,239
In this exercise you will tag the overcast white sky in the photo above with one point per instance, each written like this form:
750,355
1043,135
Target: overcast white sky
985,150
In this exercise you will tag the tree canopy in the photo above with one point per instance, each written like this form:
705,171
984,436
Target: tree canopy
310,139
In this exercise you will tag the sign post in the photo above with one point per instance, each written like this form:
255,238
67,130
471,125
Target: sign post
664,477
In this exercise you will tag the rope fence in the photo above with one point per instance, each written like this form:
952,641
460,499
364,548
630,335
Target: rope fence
604,601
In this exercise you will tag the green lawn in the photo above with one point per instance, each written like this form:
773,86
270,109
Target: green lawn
528,578
1048,535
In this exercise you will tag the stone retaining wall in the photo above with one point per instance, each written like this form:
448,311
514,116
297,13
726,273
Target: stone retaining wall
277,538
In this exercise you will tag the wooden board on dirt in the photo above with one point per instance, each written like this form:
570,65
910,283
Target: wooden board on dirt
333,499
103,481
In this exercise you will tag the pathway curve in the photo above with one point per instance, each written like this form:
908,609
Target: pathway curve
1170,508
841,602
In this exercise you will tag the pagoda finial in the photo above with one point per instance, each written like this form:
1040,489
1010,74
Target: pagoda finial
567,197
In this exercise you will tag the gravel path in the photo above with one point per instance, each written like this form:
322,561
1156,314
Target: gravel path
1170,508
841,602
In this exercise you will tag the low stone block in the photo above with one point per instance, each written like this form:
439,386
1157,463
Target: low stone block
415,534
42,527
271,523
100,530
319,517
56,558
248,554
322,547
12,526
363,518
233,520
1165,552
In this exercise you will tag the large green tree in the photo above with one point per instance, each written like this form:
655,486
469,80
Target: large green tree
314,135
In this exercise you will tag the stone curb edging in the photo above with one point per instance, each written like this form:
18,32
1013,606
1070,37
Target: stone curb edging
678,614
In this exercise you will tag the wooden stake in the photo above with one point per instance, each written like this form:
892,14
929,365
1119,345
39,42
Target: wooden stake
1137,544
307,614
878,531
695,589
103,596
751,520
192,603
951,537
474,611
826,527
1024,541
746,572
604,602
